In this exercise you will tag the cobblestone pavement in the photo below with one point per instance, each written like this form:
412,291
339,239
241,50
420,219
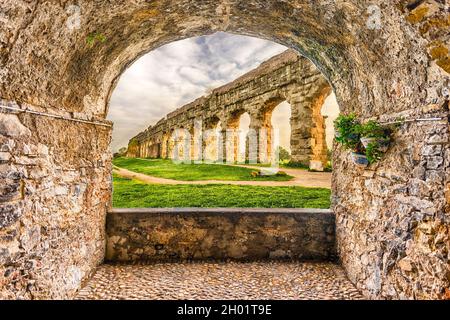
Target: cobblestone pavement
231,280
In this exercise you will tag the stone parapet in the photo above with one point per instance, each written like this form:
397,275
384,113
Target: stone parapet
239,234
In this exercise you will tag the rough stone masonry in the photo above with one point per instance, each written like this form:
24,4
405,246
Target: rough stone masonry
285,77
170,235
385,59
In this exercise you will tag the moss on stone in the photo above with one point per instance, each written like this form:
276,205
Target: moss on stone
444,63
146,14
417,15
438,52
435,23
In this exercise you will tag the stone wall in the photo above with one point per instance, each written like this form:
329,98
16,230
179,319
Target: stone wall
402,201
238,234
285,77
54,192
383,58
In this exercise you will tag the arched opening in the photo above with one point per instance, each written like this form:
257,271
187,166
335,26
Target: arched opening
384,62
330,111
243,143
281,123
253,108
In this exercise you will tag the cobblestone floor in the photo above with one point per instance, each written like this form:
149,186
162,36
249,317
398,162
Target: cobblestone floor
231,280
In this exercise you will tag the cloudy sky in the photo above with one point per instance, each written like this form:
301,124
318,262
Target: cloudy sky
175,74
178,73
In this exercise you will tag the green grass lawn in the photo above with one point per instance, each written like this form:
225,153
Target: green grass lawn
134,194
191,172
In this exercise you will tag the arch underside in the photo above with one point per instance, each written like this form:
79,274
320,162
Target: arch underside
391,218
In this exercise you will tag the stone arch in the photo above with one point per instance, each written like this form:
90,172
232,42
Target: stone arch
384,60
281,123
262,123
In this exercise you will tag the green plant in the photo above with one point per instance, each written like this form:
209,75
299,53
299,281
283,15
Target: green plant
373,152
283,154
372,129
398,122
94,37
348,131
297,165
122,151
329,166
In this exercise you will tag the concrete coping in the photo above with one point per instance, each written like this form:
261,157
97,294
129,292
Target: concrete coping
220,210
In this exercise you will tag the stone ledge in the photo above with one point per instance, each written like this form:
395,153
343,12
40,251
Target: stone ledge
218,210
176,234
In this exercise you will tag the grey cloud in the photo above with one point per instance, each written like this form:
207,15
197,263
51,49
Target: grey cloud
178,73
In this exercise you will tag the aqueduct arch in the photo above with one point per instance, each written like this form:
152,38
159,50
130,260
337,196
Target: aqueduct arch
385,59
285,77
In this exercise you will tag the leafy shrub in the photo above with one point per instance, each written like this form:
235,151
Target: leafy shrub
328,167
373,152
293,164
94,37
348,131
283,154
372,129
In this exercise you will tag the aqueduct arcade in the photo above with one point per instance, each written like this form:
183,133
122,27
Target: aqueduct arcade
286,77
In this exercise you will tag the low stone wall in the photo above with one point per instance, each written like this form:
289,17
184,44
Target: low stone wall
239,234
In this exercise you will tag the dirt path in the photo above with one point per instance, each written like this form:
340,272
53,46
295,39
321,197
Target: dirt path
302,178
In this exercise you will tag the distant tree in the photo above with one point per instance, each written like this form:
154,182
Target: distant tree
123,151
283,154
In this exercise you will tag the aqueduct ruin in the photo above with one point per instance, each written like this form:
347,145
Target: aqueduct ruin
285,77
385,59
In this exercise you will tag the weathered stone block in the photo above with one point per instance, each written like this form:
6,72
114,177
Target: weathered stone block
5,157
316,165
9,214
241,234
434,163
11,126
10,190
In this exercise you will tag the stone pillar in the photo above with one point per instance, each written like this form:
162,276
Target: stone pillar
308,133
165,146
191,144
196,142
260,139
211,143
230,140
221,146
170,145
